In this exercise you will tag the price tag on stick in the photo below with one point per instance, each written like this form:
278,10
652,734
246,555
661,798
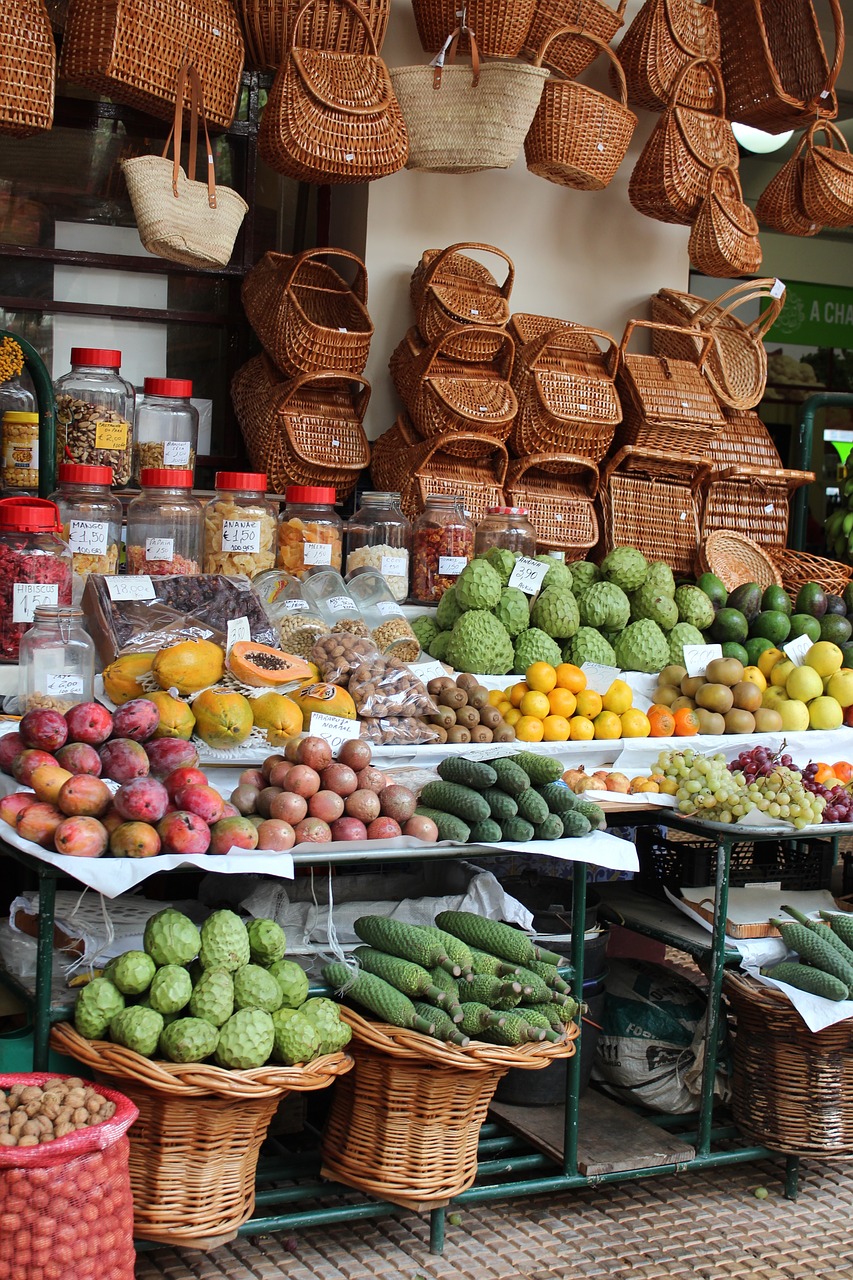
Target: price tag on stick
527,575
333,729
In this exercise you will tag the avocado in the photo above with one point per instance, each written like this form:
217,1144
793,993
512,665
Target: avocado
746,599
731,624
811,599
773,625
731,649
835,628
753,649
803,624
848,596
835,604
776,599
714,589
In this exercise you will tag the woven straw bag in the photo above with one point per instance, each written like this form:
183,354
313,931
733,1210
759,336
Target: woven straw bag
462,119
579,136
780,205
195,223
558,491
332,116
662,39
774,62
267,25
501,27
736,363
27,68
593,17
828,177
667,403
670,178
307,317
449,289
131,51
650,499
724,238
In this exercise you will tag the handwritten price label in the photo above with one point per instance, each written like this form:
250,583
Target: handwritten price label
451,566
797,649
598,677
317,553
29,596
90,537
238,630
341,604
295,606
426,671
333,729
136,587
241,537
697,657
60,685
389,609
394,566
527,575
111,435
160,549
176,453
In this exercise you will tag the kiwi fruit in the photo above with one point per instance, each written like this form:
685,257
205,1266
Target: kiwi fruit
505,733
738,721
491,717
436,685
459,734
468,716
481,734
445,716
715,697
453,697
478,697
690,684
467,682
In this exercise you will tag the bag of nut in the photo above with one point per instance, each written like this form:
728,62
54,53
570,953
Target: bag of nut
337,655
384,687
399,731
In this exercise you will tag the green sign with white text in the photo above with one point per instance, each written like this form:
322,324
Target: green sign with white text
815,315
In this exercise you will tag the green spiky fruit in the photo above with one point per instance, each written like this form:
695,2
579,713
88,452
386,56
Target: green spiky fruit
439,646
533,645
694,607
502,561
584,574
559,574
246,1040
626,567
256,988
138,1029
513,611
589,645
649,602
604,605
224,942
642,646
682,634
188,1040
132,972
325,1015
170,990
170,937
296,1039
212,999
293,982
425,630
478,586
660,577
555,612
448,610
97,1004
478,642
267,942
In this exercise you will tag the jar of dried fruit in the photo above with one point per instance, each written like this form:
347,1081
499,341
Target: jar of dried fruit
328,594
165,525
94,413
91,517
299,626
442,545
389,627
240,525
508,528
311,533
35,567
165,426
57,660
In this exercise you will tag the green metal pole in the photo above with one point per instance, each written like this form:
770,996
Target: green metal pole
805,439
47,411
715,991
44,970
573,1066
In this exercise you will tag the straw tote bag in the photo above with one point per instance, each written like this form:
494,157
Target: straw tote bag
828,177
780,205
27,68
724,238
332,116
663,38
195,223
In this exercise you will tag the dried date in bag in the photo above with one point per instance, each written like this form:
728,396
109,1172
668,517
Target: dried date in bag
385,687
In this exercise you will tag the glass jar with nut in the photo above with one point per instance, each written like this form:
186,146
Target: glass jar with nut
389,628
380,537
57,661
165,525
327,593
240,525
165,426
91,518
299,626
20,446
311,533
94,413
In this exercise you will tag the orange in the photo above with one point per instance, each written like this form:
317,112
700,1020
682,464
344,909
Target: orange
589,703
562,702
541,676
555,729
635,724
843,771
607,725
529,729
512,717
824,772
570,677
496,697
504,707
581,729
535,704
516,692
661,721
686,723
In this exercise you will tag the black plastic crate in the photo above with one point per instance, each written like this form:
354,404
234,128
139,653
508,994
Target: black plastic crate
688,864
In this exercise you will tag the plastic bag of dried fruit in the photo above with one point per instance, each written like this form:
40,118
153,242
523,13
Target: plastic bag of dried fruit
66,1208
383,687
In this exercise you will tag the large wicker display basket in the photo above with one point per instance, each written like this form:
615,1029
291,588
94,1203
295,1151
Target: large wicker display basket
792,1089
754,501
558,491
404,1125
194,1149
798,567
416,469
650,499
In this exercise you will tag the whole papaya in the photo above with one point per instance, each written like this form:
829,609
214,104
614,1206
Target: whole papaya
121,678
176,717
189,666
222,720
279,715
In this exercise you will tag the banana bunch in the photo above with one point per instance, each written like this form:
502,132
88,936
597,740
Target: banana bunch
839,526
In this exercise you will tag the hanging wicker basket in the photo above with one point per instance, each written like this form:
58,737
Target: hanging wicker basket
27,68
501,27
593,17
448,289
268,24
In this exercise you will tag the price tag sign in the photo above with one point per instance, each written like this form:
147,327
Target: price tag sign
241,537
778,288
527,575
29,596
295,606
598,677
797,649
389,609
697,657
394,566
176,453
426,671
89,537
238,629
317,553
135,587
341,604
60,685
451,566
333,729
159,549
111,435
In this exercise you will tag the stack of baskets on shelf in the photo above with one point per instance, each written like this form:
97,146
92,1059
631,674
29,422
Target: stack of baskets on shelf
301,405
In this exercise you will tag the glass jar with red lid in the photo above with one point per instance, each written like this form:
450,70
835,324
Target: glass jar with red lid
240,525
443,543
165,525
166,426
94,413
311,533
91,517
35,567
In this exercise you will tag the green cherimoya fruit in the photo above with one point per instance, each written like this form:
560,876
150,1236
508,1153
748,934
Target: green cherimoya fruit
256,988
539,769
478,642
449,826
246,1040
682,634
170,937
97,1005
661,578
626,567
642,646
650,602
170,990
502,561
469,773
212,999
555,611
694,607
558,797
189,1040
450,797
295,1038
448,610
551,829
478,586
575,824
325,1017
516,831
532,807
293,982
501,805
511,777
532,646
486,831
438,648
589,645
224,942
513,611
138,1029
132,972
425,629
267,942
604,605
584,574
559,574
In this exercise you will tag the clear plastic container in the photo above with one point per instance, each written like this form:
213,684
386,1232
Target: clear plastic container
91,518
508,528
94,413
311,533
165,525
35,567
328,594
57,659
165,426
15,397
299,625
380,537
20,448
442,545
389,627
240,525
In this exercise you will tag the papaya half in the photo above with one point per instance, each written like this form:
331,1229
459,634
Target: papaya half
258,665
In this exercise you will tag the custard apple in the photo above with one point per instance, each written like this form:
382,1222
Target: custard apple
438,648
534,646
694,607
642,646
255,988
171,938
502,561
212,999
589,645
267,942
132,972
426,630
555,611
649,602
138,1029
188,1040
513,610
293,981
448,610
584,574
559,574
296,1039
680,635
478,586
170,990
97,1005
245,1040
626,567
326,1016
604,605
224,942
478,642
661,578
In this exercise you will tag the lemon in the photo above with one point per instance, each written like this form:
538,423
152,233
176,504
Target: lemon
581,729
825,713
536,704
755,676
795,715
618,697
635,723
541,676
804,683
824,657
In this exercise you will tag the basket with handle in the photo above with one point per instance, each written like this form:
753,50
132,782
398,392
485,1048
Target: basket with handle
501,28
780,205
416,468
735,558
579,136
470,343
131,51
194,1149
798,567
28,72
736,363
267,25
472,398
448,289
306,315
664,36
593,17
567,398
744,440
525,326
306,430
388,455
827,195
774,62
558,491
724,236
650,499
404,1126
667,402
753,500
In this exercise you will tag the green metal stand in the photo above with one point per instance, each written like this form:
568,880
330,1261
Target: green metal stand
804,446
